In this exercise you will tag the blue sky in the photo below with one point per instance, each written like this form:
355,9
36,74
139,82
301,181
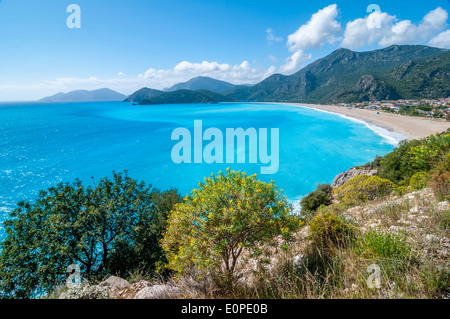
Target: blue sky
126,45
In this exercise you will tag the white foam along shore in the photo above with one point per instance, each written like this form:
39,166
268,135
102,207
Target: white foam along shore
389,137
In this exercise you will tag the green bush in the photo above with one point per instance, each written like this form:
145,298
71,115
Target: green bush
327,229
419,180
107,229
385,245
321,196
397,165
432,151
227,216
361,189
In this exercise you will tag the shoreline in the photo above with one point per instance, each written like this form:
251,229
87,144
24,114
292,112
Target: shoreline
409,127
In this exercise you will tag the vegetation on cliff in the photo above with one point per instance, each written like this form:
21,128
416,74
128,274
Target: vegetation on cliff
113,227
234,236
227,219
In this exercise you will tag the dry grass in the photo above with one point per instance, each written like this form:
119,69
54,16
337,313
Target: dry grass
412,251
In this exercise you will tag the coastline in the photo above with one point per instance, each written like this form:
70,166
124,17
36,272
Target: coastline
408,126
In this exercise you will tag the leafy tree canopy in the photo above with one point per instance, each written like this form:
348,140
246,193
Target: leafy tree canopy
229,215
105,229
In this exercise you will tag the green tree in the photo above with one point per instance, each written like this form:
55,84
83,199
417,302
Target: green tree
397,165
227,216
73,224
438,113
321,196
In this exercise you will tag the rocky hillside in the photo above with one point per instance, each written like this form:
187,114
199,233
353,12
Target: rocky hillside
348,76
415,217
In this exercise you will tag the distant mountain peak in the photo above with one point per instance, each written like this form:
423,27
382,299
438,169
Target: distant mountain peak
142,94
184,96
99,95
349,76
202,83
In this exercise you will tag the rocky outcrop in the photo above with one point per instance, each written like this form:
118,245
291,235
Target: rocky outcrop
344,177
158,292
118,288
86,292
114,282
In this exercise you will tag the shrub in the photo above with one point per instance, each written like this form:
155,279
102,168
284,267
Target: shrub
419,180
321,196
432,151
440,185
225,217
401,190
92,227
327,229
397,165
362,188
385,245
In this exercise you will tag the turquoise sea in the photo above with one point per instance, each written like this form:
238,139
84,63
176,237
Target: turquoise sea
43,144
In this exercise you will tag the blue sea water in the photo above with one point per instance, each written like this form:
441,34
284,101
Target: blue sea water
43,144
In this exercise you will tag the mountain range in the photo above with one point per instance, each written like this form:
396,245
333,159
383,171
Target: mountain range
85,96
395,72
344,76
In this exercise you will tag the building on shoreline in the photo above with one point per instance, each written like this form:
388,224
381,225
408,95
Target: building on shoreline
439,108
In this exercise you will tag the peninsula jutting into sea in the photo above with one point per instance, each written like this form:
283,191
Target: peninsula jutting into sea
190,151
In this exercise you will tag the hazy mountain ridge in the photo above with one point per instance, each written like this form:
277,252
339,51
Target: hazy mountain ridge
85,96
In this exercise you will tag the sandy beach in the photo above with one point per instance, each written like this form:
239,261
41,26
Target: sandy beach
408,126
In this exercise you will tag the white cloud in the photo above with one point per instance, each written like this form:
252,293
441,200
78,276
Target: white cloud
272,58
320,29
442,40
361,32
384,29
121,74
185,70
243,73
271,37
294,62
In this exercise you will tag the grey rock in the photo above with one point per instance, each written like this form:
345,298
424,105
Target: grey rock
138,286
158,292
114,282
344,177
298,260
86,292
